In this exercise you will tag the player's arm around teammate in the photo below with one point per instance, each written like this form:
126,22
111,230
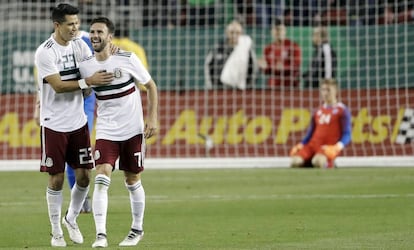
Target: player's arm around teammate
64,131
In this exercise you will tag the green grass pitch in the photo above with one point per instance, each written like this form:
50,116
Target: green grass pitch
345,208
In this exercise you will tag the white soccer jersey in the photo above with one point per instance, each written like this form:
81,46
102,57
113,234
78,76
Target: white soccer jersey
61,112
119,115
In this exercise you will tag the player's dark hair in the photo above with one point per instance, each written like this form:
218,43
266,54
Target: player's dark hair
106,21
59,12
277,22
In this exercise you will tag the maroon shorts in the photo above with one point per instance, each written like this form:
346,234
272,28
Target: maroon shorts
60,147
131,153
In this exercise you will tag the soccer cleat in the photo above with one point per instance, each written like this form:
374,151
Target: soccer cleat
58,241
100,241
73,230
86,208
132,239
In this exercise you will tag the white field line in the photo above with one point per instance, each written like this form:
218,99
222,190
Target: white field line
165,198
274,197
232,162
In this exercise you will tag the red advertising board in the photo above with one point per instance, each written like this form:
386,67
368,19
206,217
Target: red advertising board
252,123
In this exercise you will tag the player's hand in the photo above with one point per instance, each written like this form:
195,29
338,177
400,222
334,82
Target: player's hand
262,63
149,131
86,92
280,66
296,149
100,78
150,127
114,49
332,151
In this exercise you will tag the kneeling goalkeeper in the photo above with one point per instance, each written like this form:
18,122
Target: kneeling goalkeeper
328,133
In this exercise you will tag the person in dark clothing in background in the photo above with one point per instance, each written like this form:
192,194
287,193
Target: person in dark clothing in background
232,62
323,64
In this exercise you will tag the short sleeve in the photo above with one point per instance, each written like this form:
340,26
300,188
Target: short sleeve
138,70
45,61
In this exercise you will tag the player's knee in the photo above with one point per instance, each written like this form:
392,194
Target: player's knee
296,162
83,181
105,169
319,161
56,181
82,177
131,178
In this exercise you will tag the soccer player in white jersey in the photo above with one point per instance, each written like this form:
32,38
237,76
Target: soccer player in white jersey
64,132
120,129
89,108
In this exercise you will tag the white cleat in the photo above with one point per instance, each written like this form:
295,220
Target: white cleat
100,241
132,239
73,230
58,241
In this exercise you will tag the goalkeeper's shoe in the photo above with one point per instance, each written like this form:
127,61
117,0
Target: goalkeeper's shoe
58,241
74,234
132,239
100,241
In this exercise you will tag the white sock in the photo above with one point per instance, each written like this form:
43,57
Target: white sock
78,195
137,198
54,205
100,202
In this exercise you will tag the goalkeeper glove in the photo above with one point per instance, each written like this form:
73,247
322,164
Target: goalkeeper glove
296,149
332,151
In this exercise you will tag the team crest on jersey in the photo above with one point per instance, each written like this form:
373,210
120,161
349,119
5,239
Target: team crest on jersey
49,162
117,73
97,155
334,111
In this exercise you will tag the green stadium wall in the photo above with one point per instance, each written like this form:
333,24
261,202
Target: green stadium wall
368,56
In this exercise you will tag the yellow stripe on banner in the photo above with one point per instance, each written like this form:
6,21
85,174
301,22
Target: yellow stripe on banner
397,124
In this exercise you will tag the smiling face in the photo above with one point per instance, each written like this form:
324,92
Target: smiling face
99,36
67,30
